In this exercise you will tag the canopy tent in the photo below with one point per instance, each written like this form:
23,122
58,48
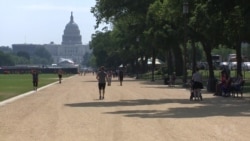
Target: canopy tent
157,61
121,66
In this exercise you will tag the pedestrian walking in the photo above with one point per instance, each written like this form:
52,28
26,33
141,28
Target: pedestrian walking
35,79
102,78
172,80
60,76
109,77
197,84
120,76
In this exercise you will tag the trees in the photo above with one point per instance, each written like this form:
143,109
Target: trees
206,26
128,20
5,60
41,56
24,55
103,46
237,28
160,25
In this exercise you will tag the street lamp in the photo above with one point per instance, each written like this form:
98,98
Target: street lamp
185,12
185,7
137,63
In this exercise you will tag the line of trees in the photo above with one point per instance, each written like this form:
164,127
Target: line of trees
41,56
156,28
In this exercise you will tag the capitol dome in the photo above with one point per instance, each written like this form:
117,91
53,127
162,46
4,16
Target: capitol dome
71,34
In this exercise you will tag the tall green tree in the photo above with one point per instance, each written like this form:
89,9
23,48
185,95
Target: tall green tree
124,12
101,44
23,54
206,27
237,28
42,56
5,59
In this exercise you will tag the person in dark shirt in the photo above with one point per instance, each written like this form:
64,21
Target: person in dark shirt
120,76
60,76
35,79
102,78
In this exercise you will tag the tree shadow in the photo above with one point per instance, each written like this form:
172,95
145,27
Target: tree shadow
113,80
209,107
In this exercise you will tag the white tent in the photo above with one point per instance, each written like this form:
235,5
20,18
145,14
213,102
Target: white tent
157,61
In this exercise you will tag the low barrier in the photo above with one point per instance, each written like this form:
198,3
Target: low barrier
40,70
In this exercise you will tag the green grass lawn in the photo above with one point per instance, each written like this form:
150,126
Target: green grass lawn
15,84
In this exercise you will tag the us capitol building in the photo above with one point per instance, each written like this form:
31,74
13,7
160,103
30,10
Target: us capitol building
71,49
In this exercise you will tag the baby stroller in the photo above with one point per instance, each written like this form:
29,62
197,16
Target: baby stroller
193,95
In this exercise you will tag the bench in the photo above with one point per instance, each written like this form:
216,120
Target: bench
238,90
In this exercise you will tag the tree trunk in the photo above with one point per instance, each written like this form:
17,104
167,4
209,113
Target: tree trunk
170,63
194,57
178,61
208,51
211,82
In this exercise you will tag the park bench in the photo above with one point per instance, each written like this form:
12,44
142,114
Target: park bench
239,90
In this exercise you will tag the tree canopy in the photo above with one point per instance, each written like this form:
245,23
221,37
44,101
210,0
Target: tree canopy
156,28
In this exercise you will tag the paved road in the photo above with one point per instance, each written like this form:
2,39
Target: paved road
136,111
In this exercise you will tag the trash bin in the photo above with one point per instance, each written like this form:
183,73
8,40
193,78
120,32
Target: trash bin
211,84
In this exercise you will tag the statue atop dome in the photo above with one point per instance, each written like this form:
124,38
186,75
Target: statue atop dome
71,18
71,34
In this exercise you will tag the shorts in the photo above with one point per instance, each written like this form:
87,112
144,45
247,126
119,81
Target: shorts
101,86
59,75
197,85
121,78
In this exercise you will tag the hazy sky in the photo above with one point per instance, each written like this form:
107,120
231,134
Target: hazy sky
43,21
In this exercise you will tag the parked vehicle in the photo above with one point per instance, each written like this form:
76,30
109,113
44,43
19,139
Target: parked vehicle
216,61
223,65
232,62
246,66
232,65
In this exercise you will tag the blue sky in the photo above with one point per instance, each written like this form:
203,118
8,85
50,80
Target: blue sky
43,21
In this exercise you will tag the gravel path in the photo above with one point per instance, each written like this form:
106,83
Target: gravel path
136,111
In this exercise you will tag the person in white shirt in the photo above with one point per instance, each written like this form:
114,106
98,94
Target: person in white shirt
197,84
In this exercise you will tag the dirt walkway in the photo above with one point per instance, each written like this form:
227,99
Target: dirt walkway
136,111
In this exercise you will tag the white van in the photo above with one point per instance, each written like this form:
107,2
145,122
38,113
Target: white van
232,62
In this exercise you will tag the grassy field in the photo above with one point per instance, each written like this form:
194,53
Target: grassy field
14,84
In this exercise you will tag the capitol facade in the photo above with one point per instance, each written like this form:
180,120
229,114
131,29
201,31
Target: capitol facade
70,49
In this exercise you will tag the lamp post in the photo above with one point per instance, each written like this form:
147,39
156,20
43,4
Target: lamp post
194,57
185,12
137,63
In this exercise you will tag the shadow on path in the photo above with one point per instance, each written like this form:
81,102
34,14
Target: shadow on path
209,107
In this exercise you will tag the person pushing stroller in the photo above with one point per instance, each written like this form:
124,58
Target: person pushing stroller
196,85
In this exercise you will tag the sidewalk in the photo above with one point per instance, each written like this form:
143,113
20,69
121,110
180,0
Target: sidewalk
136,111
